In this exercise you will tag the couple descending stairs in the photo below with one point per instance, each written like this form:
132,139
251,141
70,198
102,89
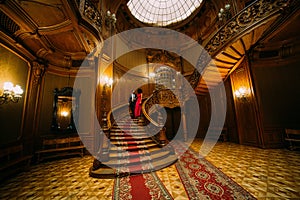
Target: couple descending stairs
132,151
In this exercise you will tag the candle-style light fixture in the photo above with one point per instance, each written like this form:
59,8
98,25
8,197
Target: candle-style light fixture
107,81
243,93
110,19
10,93
224,13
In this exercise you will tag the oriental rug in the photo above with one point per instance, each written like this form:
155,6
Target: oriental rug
201,180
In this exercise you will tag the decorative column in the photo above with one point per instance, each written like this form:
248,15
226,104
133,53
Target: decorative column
31,118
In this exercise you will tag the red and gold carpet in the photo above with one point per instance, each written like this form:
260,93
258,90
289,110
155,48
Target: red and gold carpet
200,179
137,187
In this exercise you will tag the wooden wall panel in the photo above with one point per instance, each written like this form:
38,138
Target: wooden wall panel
277,84
247,116
230,122
15,70
205,115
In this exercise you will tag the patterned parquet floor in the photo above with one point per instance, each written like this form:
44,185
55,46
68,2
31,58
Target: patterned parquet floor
265,173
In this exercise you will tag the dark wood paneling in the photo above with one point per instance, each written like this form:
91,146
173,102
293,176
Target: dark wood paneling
273,137
247,116
230,122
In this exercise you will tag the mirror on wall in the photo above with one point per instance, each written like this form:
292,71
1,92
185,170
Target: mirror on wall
65,110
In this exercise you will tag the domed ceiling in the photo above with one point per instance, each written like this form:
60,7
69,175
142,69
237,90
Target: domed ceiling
162,12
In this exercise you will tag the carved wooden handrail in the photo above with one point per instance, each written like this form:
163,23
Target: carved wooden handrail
162,97
246,20
242,23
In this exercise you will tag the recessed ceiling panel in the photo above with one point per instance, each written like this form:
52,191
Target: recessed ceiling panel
65,42
45,13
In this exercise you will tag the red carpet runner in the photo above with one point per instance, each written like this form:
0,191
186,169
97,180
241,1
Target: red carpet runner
200,179
140,187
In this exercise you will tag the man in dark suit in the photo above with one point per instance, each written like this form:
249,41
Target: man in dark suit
132,101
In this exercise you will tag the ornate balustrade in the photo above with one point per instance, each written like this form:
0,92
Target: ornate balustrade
90,13
164,98
251,17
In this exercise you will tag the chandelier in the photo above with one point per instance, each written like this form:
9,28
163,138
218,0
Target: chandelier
10,93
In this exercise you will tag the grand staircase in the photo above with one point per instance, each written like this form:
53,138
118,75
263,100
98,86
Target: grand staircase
132,151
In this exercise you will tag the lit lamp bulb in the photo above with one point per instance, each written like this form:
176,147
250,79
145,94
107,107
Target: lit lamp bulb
8,87
151,74
11,93
227,6
242,93
110,82
18,91
64,113
113,16
237,93
106,80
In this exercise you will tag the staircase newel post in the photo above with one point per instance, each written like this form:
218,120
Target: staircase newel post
105,144
162,138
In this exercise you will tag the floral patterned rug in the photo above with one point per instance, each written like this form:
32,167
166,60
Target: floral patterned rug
200,179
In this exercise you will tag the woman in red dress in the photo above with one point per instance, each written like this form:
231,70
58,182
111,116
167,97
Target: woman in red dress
138,104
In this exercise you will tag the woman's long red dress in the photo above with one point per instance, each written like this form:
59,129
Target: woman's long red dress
138,106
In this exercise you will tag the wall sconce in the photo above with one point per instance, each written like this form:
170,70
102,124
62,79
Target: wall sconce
64,113
11,93
108,81
243,94
110,19
151,75
224,13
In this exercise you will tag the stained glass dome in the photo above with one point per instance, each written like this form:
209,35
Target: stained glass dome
162,12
